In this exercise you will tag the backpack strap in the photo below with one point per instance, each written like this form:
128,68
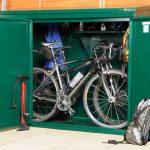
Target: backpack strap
118,142
146,128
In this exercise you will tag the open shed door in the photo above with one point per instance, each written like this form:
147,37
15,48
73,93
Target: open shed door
15,59
139,60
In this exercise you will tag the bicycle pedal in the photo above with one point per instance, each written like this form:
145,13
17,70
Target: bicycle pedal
71,113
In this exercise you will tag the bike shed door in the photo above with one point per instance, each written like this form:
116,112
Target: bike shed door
139,60
16,59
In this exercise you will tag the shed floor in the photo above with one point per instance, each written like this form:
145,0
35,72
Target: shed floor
51,139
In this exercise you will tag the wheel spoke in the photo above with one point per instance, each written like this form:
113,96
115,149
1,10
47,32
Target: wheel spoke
40,85
99,89
44,95
118,79
119,87
98,100
116,112
94,112
105,107
111,110
37,80
96,94
108,112
102,102
123,107
121,112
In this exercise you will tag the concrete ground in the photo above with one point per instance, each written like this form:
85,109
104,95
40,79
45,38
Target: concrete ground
51,139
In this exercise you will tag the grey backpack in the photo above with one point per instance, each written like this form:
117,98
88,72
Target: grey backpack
139,128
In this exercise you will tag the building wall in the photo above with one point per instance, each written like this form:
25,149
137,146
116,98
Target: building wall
69,4
50,4
126,3
72,4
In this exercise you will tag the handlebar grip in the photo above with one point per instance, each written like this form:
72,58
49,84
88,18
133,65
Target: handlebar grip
69,46
35,51
96,39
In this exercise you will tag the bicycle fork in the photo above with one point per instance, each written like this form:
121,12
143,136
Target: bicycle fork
111,93
100,72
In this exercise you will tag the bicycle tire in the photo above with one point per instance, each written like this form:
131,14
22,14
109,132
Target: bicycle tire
92,105
43,108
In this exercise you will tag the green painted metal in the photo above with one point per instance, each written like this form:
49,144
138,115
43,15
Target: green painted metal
139,70
141,18
83,128
28,38
87,38
15,60
129,70
36,15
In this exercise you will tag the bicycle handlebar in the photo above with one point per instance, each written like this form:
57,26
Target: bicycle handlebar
62,48
97,39
107,47
111,47
106,43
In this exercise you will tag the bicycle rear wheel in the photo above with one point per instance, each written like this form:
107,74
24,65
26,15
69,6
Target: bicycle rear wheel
45,91
103,111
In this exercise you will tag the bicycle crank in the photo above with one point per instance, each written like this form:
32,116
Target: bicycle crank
63,103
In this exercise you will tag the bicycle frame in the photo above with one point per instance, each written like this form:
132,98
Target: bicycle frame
88,61
68,71
82,81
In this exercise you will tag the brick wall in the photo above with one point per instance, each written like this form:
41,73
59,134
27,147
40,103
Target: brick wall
126,3
50,4
72,4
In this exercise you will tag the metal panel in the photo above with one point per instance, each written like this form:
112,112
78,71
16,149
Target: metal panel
79,14
76,127
22,60
15,59
139,70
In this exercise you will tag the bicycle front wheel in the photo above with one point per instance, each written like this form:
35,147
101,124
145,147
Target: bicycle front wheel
106,111
45,91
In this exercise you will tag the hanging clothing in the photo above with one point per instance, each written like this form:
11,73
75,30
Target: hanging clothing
54,36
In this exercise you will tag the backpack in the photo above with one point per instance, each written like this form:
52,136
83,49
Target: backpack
139,128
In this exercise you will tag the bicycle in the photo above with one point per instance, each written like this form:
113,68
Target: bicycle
104,97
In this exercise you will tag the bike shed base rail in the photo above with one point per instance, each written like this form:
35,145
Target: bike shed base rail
83,128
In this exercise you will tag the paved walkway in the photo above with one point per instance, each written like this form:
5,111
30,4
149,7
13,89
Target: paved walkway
51,139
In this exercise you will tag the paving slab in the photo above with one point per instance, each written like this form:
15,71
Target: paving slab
52,139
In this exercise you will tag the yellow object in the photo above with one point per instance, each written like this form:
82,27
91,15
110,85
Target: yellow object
125,37
125,46
127,55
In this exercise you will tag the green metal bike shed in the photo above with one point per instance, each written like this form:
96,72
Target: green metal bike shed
17,42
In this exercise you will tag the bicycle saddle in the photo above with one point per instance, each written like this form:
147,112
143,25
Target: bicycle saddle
50,43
